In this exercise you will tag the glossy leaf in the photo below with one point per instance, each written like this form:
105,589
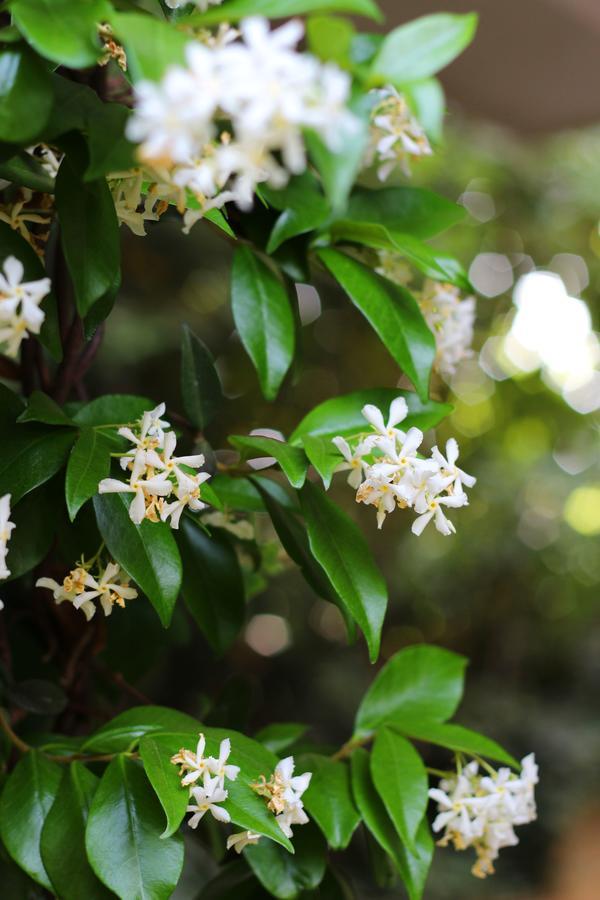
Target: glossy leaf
274,9
323,455
62,31
113,409
34,531
63,837
393,313
280,735
263,318
422,47
89,463
401,781
413,867
419,682
330,38
89,231
147,552
456,737
42,408
36,695
123,836
303,209
109,149
125,730
291,459
30,455
151,45
25,802
426,97
166,781
342,415
407,210
245,807
26,171
285,875
200,385
23,86
329,798
212,586
340,548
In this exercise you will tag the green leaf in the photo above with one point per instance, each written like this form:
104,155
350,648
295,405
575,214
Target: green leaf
113,409
406,210
401,781
26,800
263,318
125,730
422,47
88,464
109,149
12,244
44,698
340,548
42,408
304,208
26,171
280,735
342,415
30,455
419,682
33,534
234,10
151,45
212,586
62,31
456,737
24,85
122,836
236,494
338,168
413,868
323,455
200,385
89,232
291,459
147,552
286,876
393,313
330,38
63,838
166,781
329,799
426,98
295,543
245,807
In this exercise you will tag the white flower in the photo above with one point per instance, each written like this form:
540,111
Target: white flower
480,811
431,507
194,765
61,594
293,814
293,785
144,489
398,412
242,839
206,799
284,792
20,312
188,495
396,137
353,459
241,528
112,586
219,766
6,529
451,319
167,462
449,469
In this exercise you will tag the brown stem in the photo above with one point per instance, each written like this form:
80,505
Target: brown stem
9,369
89,353
67,370
6,727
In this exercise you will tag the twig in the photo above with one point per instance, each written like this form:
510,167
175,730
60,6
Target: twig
350,746
6,727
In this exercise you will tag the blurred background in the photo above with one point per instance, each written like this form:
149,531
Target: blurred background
516,590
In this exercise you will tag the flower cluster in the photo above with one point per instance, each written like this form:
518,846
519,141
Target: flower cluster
109,585
283,792
235,116
480,811
452,319
6,529
156,473
387,473
20,313
450,316
212,772
395,136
